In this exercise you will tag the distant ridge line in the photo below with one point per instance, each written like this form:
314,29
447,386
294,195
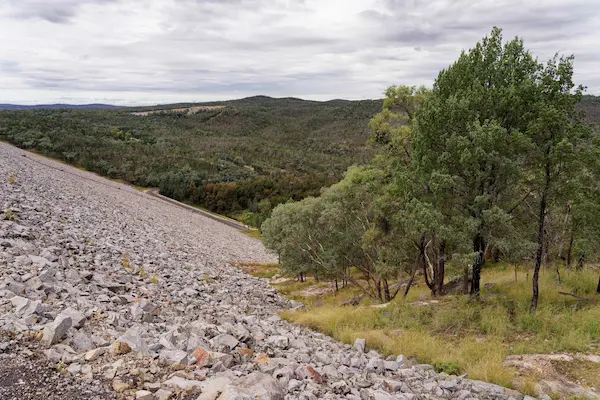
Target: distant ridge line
19,107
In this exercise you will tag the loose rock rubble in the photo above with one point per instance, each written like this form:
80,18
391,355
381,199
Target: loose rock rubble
134,298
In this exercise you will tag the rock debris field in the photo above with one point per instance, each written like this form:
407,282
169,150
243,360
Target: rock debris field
108,293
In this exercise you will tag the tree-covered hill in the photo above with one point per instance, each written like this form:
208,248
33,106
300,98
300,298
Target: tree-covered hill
240,160
590,106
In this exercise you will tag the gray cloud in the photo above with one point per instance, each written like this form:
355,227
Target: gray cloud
55,11
194,50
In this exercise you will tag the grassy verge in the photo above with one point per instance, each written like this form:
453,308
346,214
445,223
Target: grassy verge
258,270
253,233
461,336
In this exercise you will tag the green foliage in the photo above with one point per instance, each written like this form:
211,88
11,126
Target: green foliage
450,368
461,171
12,179
11,215
142,273
125,263
246,157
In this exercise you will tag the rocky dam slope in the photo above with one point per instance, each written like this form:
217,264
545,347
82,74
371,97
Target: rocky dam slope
109,293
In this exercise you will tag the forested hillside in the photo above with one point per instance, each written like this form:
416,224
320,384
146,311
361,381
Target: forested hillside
240,160
483,199
495,162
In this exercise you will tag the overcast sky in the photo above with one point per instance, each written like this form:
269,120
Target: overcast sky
158,51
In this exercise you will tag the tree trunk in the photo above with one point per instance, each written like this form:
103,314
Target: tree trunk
465,288
545,248
412,277
440,270
488,252
336,286
564,231
386,290
540,244
379,294
598,287
581,261
423,256
479,247
496,255
570,249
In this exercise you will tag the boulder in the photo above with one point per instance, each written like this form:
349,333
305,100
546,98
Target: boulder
77,318
224,340
171,357
56,331
256,385
359,345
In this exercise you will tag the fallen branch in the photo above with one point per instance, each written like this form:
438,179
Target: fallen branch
578,297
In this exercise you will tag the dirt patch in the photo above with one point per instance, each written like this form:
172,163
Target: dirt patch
582,372
186,110
314,291
564,375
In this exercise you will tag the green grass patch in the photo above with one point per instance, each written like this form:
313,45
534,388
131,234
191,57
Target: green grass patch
457,335
253,233
257,269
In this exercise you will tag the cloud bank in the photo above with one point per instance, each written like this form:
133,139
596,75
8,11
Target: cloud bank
156,51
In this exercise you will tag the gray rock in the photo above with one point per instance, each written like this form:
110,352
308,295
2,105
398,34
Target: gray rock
81,342
173,357
359,345
162,394
214,388
144,395
25,307
391,365
256,386
77,318
15,287
40,261
281,342
56,331
401,360
294,385
374,364
322,358
180,383
74,368
340,387
224,340
393,386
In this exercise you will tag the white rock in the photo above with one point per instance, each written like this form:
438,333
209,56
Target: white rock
180,383
144,395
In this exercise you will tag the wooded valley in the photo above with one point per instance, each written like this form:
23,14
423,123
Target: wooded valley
240,160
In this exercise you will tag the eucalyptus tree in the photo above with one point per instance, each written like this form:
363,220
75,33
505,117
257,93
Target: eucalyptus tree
469,143
291,232
560,141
